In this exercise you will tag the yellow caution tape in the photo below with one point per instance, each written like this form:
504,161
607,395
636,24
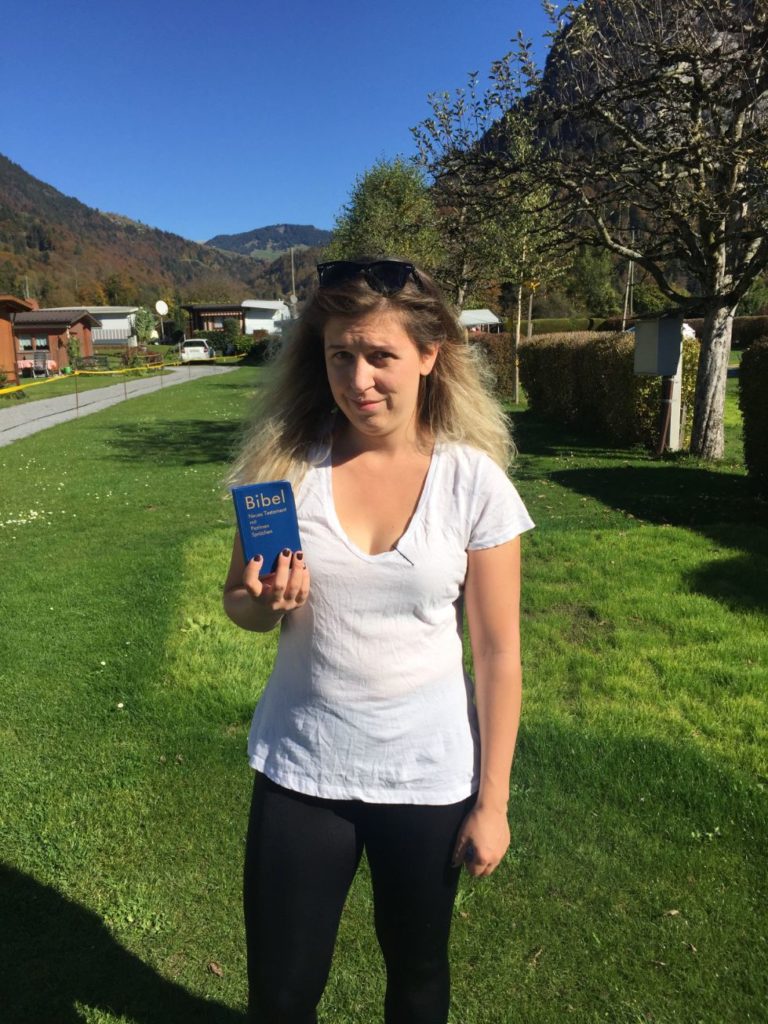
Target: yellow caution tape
84,373
103,373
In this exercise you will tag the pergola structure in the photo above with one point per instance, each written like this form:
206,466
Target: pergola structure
211,317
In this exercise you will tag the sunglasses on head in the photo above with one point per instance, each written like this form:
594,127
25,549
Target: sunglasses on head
385,276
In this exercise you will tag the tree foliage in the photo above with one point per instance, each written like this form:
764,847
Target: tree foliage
389,213
591,284
484,223
653,119
143,324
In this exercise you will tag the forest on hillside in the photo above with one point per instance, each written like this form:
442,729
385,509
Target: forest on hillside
61,252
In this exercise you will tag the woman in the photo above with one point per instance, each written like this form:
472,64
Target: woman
369,735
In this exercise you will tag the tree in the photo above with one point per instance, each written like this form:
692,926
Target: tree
143,324
755,302
232,331
389,213
591,283
179,318
654,116
118,290
484,224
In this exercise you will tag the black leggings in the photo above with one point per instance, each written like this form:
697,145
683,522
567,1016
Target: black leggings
301,856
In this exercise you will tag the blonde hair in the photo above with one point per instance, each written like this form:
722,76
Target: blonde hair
295,410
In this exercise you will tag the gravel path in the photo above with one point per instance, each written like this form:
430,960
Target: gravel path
27,418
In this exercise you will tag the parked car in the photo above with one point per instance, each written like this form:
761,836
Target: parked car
196,350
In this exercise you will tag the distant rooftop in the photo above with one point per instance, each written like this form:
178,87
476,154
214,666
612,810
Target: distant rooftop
476,317
265,303
63,317
15,304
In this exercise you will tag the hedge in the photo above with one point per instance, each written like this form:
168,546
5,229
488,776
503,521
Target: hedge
587,379
555,325
497,352
753,389
746,329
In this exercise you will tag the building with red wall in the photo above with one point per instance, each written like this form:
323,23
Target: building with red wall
9,306
43,337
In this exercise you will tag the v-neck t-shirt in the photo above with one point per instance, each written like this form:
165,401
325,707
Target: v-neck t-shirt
368,698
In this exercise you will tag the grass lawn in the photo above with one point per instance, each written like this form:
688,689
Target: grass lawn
635,888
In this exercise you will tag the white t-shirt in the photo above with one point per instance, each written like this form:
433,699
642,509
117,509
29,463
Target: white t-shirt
368,699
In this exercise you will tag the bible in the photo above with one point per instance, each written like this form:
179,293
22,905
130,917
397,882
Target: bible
266,521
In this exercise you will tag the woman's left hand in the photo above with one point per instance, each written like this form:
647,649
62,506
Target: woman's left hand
482,841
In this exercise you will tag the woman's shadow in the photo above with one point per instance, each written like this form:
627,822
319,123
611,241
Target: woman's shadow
55,954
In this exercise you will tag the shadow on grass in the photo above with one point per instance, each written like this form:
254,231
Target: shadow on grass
667,493
537,436
183,442
720,506
723,506
55,954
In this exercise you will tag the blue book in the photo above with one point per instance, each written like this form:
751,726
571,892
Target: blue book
266,519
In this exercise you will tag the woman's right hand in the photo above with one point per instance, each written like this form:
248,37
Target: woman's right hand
282,590
259,604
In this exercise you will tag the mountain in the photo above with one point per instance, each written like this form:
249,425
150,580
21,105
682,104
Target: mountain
62,252
265,242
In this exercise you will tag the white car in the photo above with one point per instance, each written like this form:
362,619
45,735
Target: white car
196,350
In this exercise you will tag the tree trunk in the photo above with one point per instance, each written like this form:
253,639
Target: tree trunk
707,437
516,346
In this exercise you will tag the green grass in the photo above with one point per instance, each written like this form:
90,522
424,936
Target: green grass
634,890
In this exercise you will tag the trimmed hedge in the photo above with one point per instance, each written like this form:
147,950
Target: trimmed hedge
753,390
587,379
497,352
554,324
216,339
746,329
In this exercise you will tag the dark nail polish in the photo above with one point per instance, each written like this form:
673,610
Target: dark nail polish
286,552
299,556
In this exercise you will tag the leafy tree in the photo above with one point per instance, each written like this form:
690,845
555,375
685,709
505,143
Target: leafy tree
486,227
178,316
646,298
389,213
755,302
38,237
654,113
118,290
9,282
232,331
591,283
143,324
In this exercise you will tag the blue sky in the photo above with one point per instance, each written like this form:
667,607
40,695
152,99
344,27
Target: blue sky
205,118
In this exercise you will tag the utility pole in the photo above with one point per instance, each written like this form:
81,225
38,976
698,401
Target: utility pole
532,286
293,299
629,297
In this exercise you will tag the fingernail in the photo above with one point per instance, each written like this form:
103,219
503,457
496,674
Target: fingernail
299,556
257,558
286,552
